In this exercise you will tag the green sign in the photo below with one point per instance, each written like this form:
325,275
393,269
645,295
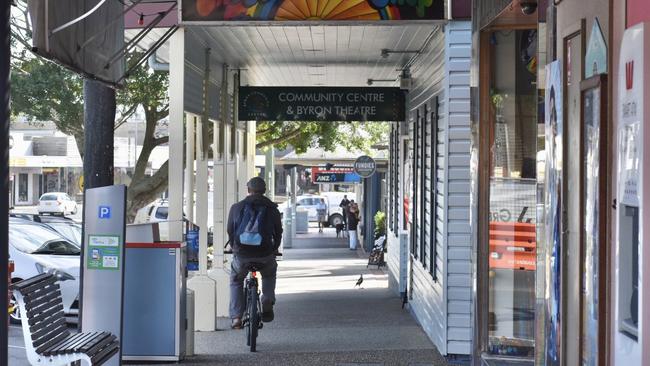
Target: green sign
103,252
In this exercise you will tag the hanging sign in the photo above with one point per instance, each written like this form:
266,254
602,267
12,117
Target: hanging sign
320,104
365,166
596,57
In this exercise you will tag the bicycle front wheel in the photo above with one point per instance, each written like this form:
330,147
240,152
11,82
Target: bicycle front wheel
253,320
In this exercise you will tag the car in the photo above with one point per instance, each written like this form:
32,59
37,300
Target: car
335,211
36,249
66,227
310,201
56,203
158,211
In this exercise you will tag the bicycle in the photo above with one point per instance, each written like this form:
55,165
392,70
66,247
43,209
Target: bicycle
252,317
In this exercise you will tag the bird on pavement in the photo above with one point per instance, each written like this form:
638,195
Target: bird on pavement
359,281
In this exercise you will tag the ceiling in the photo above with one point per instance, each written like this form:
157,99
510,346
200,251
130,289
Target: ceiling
306,55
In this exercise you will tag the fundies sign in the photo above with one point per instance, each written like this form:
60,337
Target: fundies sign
320,104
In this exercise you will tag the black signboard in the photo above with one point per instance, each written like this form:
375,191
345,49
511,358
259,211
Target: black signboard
321,104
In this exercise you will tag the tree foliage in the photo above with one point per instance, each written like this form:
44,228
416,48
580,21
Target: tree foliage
326,135
44,91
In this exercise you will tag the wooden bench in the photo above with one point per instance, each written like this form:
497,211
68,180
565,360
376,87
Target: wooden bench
47,338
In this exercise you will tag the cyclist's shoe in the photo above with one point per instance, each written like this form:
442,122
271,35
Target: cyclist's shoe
236,323
267,312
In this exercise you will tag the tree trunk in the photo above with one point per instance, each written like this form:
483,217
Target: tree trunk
99,117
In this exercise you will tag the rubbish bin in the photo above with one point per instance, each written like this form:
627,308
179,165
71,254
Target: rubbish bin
302,220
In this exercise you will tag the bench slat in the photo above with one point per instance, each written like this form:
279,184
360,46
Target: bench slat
79,342
50,329
92,344
100,345
46,314
52,349
77,347
36,307
35,296
18,286
54,340
105,354
38,285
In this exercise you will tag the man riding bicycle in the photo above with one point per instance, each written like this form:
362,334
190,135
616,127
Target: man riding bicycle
260,210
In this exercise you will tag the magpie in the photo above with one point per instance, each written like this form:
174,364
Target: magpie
359,281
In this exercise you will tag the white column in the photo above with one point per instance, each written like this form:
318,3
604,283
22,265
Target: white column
201,217
203,286
270,173
176,116
190,122
223,175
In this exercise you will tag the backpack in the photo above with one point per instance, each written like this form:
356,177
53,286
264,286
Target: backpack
248,230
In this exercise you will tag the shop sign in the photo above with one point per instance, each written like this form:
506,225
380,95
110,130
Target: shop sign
365,166
339,175
321,104
630,99
596,57
331,11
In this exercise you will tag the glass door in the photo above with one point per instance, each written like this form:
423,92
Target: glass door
511,241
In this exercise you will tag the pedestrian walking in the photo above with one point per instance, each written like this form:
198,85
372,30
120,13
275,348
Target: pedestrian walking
353,223
321,212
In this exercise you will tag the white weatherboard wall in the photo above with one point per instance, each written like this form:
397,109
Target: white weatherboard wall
442,305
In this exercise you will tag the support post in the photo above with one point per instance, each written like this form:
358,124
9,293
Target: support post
190,138
5,55
270,172
176,117
223,196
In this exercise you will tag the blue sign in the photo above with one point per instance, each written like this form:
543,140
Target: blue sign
104,212
330,177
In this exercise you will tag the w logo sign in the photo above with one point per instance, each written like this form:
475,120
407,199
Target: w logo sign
629,75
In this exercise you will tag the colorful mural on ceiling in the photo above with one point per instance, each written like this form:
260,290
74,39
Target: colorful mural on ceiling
310,10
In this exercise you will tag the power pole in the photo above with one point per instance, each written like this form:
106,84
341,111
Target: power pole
99,120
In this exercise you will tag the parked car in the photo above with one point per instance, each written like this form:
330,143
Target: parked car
56,203
36,249
333,200
158,211
309,202
66,227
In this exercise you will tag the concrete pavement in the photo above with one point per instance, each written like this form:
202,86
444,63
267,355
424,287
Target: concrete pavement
320,318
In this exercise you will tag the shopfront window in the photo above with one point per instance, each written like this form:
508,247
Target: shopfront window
512,193
23,187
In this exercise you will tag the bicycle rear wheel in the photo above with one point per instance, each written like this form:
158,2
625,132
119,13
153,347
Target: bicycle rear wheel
253,320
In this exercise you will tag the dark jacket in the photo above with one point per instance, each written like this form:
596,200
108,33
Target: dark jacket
271,229
353,220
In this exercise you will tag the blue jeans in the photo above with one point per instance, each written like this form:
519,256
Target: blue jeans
238,272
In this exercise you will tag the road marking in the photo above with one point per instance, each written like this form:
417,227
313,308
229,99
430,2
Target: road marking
21,347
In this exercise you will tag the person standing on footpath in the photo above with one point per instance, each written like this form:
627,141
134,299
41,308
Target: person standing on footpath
353,223
345,202
321,212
